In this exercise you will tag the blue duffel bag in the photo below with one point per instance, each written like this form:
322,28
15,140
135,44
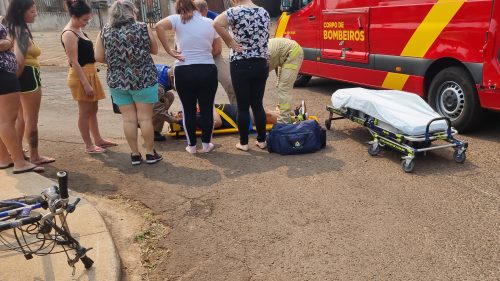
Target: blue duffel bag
299,138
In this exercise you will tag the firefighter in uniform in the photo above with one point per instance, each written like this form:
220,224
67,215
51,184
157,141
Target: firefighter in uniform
285,57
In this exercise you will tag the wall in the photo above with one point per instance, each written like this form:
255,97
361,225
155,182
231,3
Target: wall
57,20
46,21
3,7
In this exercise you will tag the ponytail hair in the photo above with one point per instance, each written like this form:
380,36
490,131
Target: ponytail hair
78,8
185,8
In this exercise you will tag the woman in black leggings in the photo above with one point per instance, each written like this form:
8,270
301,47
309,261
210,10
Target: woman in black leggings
249,67
195,71
197,83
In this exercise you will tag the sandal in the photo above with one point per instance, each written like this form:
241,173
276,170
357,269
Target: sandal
106,143
95,150
43,160
6,166
36,169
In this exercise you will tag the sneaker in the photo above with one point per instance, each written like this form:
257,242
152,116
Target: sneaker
261,145
159,137
207,147
191,149
136,159
153,158
242,147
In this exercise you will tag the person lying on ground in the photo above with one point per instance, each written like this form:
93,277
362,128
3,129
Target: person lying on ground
225,116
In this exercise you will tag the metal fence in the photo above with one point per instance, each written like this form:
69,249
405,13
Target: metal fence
50,6
53,14
149,11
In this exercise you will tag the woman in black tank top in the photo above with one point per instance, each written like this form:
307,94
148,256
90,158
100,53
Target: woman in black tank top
85,48
83,81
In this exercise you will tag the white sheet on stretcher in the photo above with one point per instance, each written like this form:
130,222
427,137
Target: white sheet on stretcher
406,112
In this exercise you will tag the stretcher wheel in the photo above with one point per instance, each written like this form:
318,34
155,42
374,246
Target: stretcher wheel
407,166
459,157
373,149
328,124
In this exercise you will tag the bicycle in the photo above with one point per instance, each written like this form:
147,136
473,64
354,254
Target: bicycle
38,233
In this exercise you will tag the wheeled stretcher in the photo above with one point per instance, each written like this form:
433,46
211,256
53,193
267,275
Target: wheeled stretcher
384,121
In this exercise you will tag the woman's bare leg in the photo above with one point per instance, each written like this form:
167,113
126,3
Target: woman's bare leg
129,115
31,107
85,110
11,150
145,119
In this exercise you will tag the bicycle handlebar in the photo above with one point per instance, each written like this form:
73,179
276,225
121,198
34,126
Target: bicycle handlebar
62,177
20,222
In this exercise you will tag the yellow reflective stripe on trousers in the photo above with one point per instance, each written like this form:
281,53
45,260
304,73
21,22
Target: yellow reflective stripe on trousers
295,51
290,66
284,106
438,17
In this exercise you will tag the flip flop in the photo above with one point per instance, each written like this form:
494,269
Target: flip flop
44,160
95,150
36,169
107,144
7,166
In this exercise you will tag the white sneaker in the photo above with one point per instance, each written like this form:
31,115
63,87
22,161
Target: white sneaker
191,149
261,145
243,147
207,147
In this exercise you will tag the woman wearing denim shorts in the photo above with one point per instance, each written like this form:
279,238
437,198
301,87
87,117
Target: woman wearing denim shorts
126,46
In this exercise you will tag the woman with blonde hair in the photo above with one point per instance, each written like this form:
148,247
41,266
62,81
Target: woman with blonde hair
195,71
83,81
126,46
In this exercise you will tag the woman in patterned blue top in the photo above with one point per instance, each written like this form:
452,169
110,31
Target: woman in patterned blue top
249,25
126,46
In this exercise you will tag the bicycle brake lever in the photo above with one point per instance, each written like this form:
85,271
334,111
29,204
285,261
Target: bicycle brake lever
71,207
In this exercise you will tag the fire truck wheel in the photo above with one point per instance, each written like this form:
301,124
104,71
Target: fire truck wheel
452,94
302,80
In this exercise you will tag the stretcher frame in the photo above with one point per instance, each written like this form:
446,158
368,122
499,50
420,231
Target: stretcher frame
408,145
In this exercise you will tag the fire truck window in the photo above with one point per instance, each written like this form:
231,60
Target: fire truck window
305,2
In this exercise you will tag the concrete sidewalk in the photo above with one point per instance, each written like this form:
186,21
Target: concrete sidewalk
86,225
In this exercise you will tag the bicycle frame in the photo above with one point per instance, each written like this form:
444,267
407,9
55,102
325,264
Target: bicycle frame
56,201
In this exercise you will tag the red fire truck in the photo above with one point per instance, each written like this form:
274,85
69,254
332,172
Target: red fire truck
446,51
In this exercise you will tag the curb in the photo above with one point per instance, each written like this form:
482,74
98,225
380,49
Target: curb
86,225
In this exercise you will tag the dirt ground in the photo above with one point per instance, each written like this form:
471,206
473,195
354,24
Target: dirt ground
338,214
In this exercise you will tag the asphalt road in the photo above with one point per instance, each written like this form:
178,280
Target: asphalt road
338,214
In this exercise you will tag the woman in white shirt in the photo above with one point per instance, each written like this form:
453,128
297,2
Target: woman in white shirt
195,71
